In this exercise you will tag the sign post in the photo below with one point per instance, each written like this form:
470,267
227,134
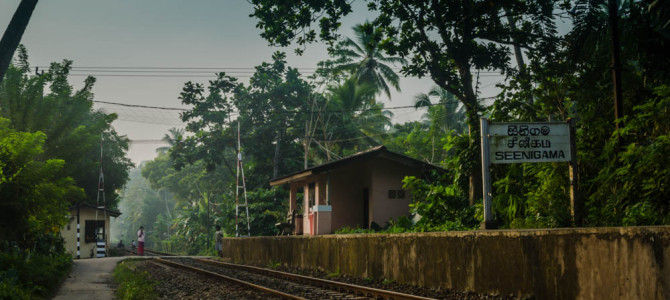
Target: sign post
506,143
486,174
576,208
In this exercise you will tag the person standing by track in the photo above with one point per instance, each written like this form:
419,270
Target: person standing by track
219,241
140,241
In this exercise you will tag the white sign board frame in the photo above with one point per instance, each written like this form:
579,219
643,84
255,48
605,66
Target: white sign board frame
504,143
529,142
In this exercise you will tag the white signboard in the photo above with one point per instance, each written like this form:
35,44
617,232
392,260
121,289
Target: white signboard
529,142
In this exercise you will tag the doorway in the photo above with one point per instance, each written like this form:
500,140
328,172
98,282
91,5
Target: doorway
366,208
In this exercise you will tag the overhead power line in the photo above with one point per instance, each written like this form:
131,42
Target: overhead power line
193,72
280,111
142,106
204,68
172,68
148,141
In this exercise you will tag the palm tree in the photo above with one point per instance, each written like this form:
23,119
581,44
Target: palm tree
365,60
354,120
172,138
447,116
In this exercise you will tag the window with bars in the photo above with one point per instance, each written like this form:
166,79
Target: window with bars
93,231
396,194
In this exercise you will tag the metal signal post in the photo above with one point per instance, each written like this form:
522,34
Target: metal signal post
100,242
240,170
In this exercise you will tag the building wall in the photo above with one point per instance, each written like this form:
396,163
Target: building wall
581,263
70,235
347,185
388,175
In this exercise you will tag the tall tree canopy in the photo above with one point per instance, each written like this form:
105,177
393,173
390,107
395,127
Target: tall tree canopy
73,130
444,39
364,59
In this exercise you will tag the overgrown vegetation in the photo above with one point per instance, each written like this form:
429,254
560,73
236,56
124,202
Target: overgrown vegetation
33,273
42,174
132,283
288,123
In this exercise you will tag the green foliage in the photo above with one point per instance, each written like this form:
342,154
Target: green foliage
402,224
66,118
282,31
353,120
350,230
133,284
31,189
440,207
621,174
334,274
532,195
35,273
442,39
365,61
49,160
633,189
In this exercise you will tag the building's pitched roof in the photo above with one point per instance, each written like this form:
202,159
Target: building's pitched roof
113,213
379,151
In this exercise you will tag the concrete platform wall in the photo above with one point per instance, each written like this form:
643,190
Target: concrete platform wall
584,263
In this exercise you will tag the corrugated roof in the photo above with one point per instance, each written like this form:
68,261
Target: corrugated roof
113,213
378,151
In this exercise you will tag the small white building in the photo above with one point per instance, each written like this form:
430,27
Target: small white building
94,229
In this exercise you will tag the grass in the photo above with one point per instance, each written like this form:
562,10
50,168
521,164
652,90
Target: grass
334,274
133,284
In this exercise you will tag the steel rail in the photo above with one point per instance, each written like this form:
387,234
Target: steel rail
212,274
156,252
329,284
149,252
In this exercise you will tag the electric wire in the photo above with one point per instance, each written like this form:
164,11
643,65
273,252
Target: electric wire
195,72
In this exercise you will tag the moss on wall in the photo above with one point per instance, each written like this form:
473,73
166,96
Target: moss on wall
584,263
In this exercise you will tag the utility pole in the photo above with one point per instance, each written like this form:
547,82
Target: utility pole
307,141
12,37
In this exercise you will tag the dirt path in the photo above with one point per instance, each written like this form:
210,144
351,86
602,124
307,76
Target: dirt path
89,279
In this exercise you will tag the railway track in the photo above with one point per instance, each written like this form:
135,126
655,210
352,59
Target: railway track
148,252
285,285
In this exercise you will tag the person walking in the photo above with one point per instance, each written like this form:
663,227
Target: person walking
140,241
219,241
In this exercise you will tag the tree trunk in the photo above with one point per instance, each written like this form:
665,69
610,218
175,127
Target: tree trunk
472,114
518,54
12,37
475,191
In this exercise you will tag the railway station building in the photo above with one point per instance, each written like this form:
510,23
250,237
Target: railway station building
357,191
94,229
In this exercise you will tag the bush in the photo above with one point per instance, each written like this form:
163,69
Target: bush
36,273
440,207
634,187
351,230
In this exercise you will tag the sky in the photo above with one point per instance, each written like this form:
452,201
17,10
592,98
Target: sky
101,36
